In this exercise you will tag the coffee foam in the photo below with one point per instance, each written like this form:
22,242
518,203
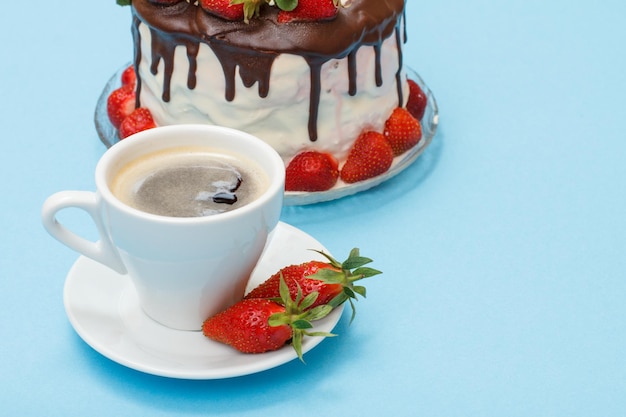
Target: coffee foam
189,182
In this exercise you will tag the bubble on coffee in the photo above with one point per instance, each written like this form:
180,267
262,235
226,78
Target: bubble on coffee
189,183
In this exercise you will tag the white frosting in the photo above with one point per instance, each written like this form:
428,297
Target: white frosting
281,118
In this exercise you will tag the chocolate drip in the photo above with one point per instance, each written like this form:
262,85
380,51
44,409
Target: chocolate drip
254,67
379,68
163,51
352,74
244,46
399,72
315,66
192,55
137,57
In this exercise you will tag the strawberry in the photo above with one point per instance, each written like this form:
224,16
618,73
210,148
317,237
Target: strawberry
417,100
120,104
138,120
402,131
233,9
296,276
370,156
258,325
129,77
332,281
307,10
311,171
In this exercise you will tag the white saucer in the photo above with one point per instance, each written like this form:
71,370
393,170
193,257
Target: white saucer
102,307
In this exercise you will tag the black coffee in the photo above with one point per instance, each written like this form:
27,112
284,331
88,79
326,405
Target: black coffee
189,182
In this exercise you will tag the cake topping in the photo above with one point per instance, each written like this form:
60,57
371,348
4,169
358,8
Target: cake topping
233,9
307,10
242,47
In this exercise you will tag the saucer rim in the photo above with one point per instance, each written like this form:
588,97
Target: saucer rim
257,362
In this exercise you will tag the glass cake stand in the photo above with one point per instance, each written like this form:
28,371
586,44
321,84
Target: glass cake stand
108,135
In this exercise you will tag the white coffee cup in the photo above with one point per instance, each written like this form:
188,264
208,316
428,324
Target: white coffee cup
184,269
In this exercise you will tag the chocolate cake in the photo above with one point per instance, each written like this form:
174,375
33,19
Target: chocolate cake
300,85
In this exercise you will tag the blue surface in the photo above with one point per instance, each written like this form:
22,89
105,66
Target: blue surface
502,248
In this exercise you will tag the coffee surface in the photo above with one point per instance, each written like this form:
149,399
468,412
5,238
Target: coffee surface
189,182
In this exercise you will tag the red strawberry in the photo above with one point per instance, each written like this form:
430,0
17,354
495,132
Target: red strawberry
311,171
417,100
332,281
370,156
233,9
309,10
129,77
245,326
138,120
260,325
296,276
402,131
120,104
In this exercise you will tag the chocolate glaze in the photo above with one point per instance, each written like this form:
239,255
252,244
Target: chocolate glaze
253,47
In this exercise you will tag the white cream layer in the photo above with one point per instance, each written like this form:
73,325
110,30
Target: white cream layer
281,118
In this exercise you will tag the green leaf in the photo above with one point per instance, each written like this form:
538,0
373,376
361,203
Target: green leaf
287,5
359,290
302,324
283,290
309,300
338,300
319,312
277,319
355,262
328,276
123,2
353,310
296,342
348,291
332,260
323,334
365,272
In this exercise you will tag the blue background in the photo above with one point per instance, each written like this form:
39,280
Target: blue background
502,247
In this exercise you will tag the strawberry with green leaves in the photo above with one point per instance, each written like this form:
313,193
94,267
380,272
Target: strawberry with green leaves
311,171
370,156
233,9
402,131
306,10
332,281
259,325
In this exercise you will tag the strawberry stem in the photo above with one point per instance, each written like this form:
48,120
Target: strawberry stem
298,317
351,270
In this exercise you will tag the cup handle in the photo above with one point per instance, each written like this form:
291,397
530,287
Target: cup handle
101,251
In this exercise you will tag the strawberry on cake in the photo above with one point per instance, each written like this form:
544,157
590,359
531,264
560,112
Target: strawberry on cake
321,81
